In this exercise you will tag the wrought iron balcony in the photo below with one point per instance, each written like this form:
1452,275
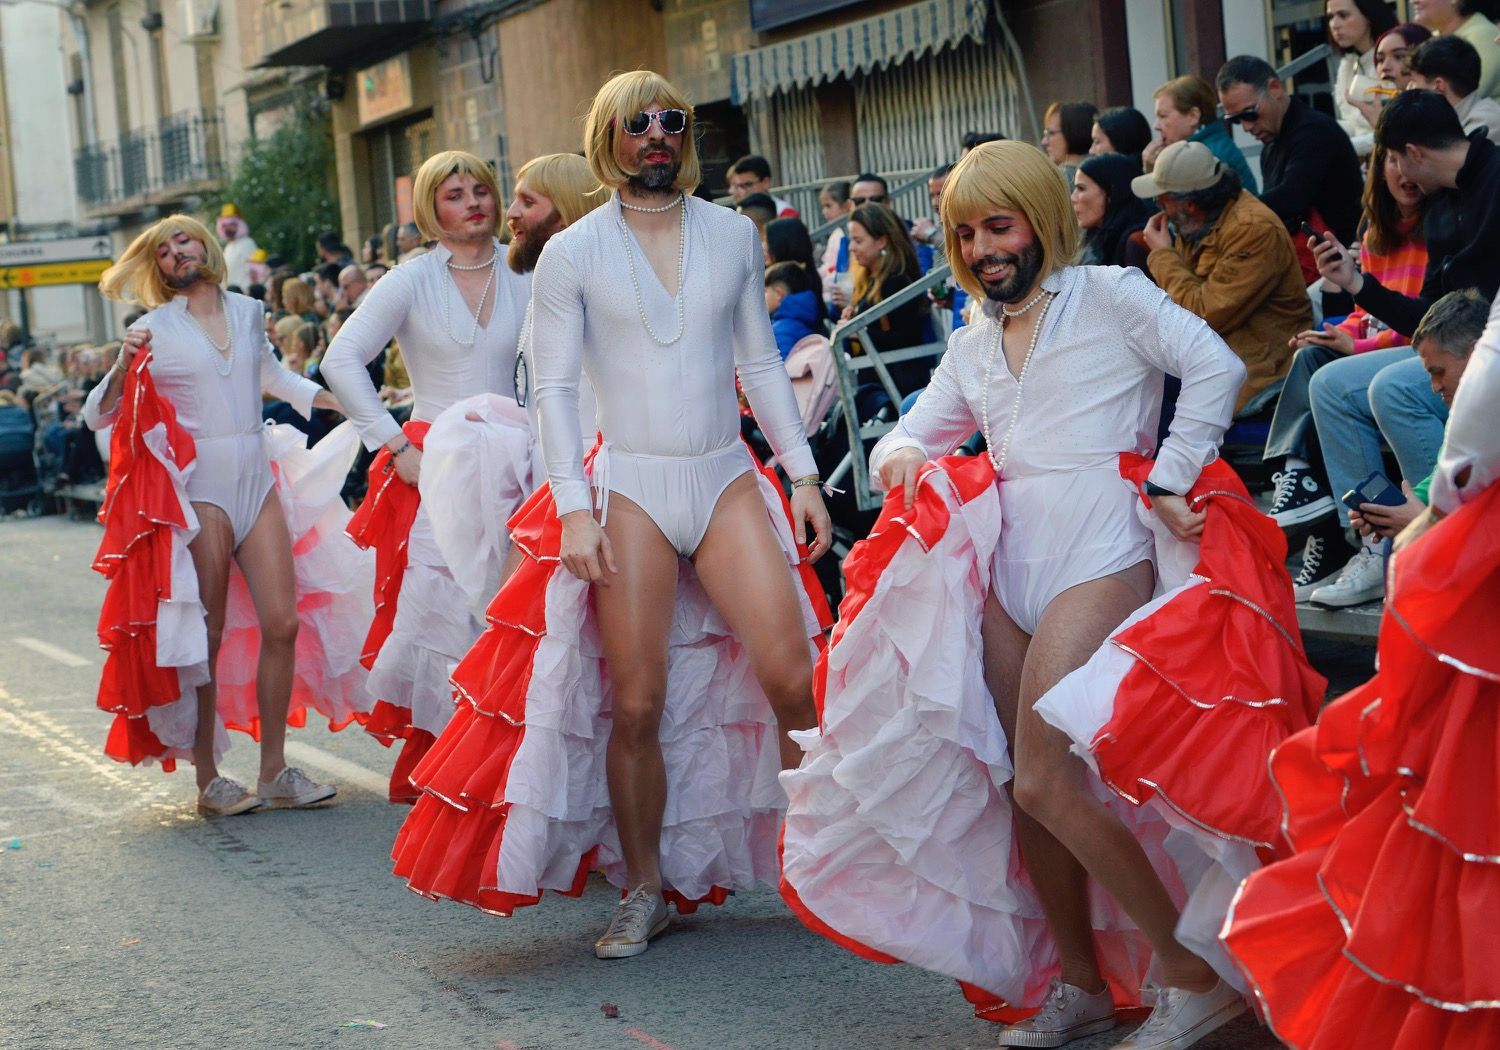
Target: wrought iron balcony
332,33
182,155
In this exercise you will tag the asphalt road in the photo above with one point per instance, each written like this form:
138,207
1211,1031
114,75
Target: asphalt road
128,921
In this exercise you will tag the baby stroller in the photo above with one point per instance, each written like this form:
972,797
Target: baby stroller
20,488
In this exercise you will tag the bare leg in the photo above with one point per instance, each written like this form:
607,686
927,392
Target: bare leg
635,618
265,558
1060,881
1051,782
744,571
211,549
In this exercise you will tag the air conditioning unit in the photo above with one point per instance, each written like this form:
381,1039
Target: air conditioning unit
200,19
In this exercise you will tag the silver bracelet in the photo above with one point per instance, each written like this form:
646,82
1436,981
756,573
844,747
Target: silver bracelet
404,446
811,481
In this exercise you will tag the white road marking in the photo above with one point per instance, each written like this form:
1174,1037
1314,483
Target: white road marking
347,772
52,652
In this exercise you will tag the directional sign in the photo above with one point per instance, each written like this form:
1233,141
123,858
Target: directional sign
87,272
71,249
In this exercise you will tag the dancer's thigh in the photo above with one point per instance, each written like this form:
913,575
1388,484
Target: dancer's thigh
212,550
265,558
1005,647
635,605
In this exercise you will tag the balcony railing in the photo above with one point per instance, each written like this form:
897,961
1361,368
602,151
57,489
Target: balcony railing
182,154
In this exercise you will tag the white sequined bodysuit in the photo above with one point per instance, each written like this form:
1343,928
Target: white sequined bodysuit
1093,390
221,412
669,414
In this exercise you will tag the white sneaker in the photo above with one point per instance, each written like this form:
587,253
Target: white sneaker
640,916
226,798
1069,1013
1322,558
1181,1018
1362,580
292,789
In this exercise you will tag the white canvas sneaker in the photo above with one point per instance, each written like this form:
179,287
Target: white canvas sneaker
1362,580
1181,1018
293,789
640,916
1069,1013
226,798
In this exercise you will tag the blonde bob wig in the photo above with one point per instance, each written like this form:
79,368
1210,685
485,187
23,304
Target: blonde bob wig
566,181
434,171
1010,176
137,279
625,95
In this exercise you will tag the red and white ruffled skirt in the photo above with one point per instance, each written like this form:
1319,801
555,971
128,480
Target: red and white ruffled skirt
899,840
514,799
1380,932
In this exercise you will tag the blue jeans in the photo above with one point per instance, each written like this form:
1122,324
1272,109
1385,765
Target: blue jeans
1356,400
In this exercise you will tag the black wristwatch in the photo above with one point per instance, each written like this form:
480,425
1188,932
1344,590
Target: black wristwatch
1151,488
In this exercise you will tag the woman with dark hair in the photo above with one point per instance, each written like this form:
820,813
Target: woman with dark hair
1391,50
787,241
1108,211
1353,28
1066,128
1123,129
879,243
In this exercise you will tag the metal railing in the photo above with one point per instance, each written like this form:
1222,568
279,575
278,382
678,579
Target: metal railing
185,150
853,369
908,198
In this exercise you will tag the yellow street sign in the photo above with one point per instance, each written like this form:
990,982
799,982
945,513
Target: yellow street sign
86,272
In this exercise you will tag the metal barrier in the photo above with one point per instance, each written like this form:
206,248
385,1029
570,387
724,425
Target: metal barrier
851,367
804,197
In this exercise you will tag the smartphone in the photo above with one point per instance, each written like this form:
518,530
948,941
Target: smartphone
1314,234
1376,488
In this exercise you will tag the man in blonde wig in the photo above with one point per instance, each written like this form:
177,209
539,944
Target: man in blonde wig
1063,374
456,313
667,781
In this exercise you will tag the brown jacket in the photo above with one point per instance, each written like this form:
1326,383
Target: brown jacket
1244,280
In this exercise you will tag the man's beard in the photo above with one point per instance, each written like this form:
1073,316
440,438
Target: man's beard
656,178
1024,270
179,280
523,254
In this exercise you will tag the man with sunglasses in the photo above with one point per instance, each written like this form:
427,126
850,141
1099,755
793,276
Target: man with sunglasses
870,189
1311,172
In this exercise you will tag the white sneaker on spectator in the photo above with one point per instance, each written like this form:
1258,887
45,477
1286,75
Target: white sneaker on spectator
1181,1018
1362,580
293,789
1300,498
1068,1013
1323,555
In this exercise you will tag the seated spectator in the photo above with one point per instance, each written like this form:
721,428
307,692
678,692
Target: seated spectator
352,286
257,292
1391,52
1444,340
1310,170
1461,18
759,209
752,174
408,242
1231,262
283,339
1187,111
833,201
1067,134
38,375
1395,253
793,301
1449,65
973,139
326,284
1353,28
879,243
375,271
787,241
1460,177
332,249
870,188
927,231
1120,130
1108,211
369,252
298,298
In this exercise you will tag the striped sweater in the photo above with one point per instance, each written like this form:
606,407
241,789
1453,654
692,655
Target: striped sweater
1401,271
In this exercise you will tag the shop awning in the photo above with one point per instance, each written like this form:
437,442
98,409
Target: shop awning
857,47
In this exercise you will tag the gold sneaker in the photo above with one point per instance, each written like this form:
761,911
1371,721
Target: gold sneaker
640,916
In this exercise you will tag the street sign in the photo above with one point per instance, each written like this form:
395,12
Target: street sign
71,249
87,272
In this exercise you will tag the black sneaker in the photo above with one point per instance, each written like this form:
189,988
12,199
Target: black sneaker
1324,555
1299,499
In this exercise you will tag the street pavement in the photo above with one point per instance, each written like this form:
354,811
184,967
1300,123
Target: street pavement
126,920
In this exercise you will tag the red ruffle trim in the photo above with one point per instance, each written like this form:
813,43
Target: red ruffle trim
1220,677
449,845
1378,933
140,511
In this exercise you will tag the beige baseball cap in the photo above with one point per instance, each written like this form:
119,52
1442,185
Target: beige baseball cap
1180,168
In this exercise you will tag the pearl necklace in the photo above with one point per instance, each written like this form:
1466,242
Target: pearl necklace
1018,311
448,300
654,211
998,462
476,266
223,353
640,304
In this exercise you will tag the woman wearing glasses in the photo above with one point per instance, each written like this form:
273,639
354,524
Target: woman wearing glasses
1067,134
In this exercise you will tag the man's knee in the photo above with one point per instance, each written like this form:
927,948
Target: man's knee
1399,392
1039,793
280,629
635,712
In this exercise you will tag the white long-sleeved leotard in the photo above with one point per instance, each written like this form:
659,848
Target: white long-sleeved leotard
222,413
670,402
410,304
1472,441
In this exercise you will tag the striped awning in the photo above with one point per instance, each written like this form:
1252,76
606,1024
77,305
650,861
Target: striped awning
857,47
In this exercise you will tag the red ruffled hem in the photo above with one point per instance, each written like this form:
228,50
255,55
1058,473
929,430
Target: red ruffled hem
1377,934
